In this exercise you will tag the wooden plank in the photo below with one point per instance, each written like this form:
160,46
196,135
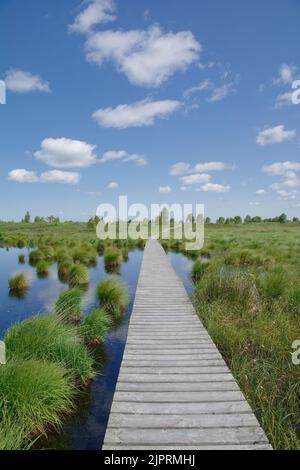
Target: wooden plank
204,421
174,390
238,435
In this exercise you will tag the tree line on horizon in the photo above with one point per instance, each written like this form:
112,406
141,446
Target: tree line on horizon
164,218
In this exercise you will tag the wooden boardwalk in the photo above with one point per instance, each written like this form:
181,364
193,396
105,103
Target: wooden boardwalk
174,390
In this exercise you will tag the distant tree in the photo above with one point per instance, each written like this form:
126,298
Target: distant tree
256,219
208,220
93,222
282,218
221,221
295,219
26,218
238,219
247,219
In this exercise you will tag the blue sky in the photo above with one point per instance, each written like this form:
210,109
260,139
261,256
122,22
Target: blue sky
162,101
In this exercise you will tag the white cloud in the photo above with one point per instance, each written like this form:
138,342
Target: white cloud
288,170
212,166
142,113
196,179
122,155
24,82
203,86
147,58
55,176
220,93
261,192
113,185
275,135
23,176
282,168
286,75
180,168
215,188
165,189
287,195
284,99
254,203
97,12
66,153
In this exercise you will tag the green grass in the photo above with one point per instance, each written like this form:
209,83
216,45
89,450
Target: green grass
48,338
198,270
113,259
35,395
79,276
94,327
254,318
42,268
21,259
113,296
63,270
68,305
18,284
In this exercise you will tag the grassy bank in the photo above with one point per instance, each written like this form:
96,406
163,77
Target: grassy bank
248,297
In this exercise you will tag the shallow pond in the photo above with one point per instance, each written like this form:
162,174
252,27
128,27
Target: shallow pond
85,430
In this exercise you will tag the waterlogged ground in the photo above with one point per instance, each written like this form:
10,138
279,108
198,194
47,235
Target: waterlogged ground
86,429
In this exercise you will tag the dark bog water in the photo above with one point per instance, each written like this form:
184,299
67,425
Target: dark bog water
85,430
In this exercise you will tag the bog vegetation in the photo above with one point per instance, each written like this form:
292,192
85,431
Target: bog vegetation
246,292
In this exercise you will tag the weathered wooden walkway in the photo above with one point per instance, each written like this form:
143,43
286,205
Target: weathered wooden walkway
174,389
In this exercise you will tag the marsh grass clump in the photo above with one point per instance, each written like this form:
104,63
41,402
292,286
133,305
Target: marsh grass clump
101,246
79,276
218,284
18,284
95,326
246,258
35,256
86,257
68,305
113,296
35,395
198,270
42,269
113,259
21,259
63,270
48,338
274,283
